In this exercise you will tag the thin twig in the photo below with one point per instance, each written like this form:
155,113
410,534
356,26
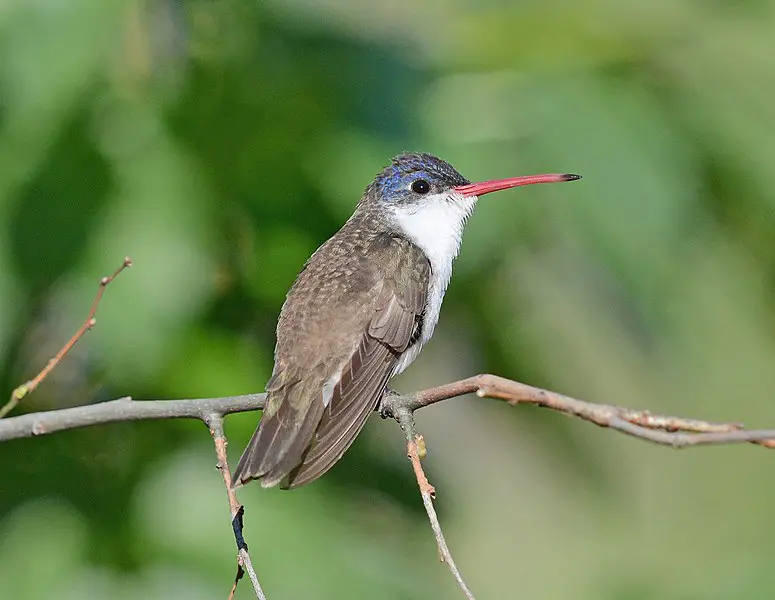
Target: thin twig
215,422
237,577
665,430
415,450
28,387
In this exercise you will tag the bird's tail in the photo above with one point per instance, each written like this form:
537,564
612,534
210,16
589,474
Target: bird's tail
280,440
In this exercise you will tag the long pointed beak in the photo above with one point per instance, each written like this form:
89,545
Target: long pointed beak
485,187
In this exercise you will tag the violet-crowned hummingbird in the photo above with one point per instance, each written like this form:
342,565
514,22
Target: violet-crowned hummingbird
359,312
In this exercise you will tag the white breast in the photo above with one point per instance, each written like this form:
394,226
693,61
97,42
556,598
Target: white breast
435,224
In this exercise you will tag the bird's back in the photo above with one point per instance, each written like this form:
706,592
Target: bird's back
332,296
354,308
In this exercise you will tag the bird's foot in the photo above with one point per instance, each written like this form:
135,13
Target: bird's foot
385,407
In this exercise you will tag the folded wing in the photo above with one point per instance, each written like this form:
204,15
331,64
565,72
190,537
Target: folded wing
318,406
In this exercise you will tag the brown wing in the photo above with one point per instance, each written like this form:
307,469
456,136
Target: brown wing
284,431
318,405
395,320
354,399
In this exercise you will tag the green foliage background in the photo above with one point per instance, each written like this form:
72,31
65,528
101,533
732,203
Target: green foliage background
218,142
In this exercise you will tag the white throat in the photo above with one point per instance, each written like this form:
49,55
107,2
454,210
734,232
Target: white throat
435,225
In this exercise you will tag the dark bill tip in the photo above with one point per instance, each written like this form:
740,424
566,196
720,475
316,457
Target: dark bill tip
571,177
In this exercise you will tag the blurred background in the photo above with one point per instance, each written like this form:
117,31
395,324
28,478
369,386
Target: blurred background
219,142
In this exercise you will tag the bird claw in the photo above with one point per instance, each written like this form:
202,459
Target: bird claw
384,409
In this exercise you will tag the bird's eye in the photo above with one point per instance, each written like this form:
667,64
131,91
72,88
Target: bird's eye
421,186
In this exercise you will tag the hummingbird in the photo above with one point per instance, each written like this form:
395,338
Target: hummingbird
360,311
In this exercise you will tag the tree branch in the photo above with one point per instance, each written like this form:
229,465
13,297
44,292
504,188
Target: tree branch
124,409
415,451
215,423
665,430
29,386
660,429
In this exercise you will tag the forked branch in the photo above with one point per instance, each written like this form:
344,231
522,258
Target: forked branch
215,422
666,430
415,451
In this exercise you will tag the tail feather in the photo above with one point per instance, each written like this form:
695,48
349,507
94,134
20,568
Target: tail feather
353,401
247,468
280,440
295,453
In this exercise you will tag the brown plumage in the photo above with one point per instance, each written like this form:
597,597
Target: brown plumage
360,312
357,304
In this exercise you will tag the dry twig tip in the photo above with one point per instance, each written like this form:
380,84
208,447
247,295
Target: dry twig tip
29,386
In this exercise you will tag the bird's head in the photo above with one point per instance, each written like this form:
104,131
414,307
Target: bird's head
422,193
413,180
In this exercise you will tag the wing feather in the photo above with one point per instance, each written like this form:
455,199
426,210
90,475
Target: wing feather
314,414
398,312
349,410
279,442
